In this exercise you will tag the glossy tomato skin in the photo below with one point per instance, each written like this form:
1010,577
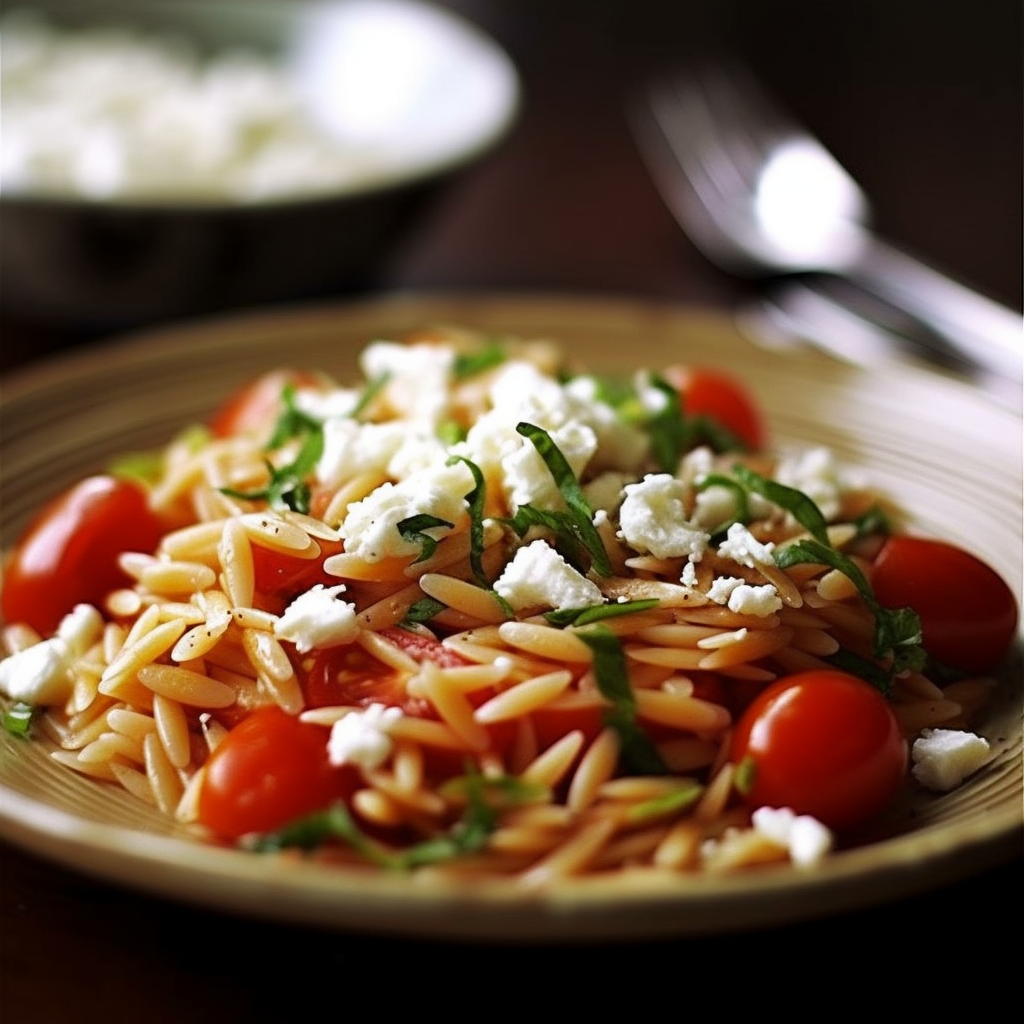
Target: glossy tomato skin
968,613
718,395
823,743
69,553
268,771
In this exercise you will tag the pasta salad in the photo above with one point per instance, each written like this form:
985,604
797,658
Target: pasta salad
487,614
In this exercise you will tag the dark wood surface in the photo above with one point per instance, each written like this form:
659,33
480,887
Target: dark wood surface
921,99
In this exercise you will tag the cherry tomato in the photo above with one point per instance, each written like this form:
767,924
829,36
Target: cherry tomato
349,675
254,408
968,613
822,743
69,553
269,770
717,395
282,577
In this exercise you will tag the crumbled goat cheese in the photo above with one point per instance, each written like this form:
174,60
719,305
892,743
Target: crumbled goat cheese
652,519
688,577
361,737
744,598
418,377
527,479
806,838
370,528
352,448
816,473
317,619
41,674
620,445
743,547
539,577
943,758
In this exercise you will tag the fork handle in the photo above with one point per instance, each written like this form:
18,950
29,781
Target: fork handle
972,325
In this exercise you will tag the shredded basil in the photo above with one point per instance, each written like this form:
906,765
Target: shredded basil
679,798
897,631
370,392
472,363
638,752
469,834
475,501
795,502
413,530
598,612
423,611
17,719
671,436
574,528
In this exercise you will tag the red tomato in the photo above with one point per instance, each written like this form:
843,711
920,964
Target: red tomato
968,613
717,395
350,675
822,743
255,407
269,770
284,577
69,553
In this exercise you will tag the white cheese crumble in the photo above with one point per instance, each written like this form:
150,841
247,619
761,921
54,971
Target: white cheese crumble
361,737
652,518
370,528
816,473
806,838
41,674
418,377
539,577
745,598
943,758
743,547
317,619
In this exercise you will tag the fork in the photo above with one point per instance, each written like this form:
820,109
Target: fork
761,197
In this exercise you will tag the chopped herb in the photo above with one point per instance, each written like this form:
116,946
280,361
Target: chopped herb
450,433
475,500
897,630
370,392
873,522
413,530
742,513
679,798
423,611
638,752
471,363
598,612
288,489
468,835
743,777
671,436
795,502
17,719
574,529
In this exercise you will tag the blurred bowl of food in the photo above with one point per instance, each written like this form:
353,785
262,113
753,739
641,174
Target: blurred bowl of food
169,157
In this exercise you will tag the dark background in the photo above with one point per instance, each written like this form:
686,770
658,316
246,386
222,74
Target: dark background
921,99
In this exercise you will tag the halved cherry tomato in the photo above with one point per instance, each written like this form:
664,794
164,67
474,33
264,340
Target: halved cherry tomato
254,408
823,743
269,770
69,552
968,612
712,393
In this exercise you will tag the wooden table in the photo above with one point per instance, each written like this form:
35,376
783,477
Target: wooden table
922,100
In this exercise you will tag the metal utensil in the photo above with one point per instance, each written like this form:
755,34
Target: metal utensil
761,197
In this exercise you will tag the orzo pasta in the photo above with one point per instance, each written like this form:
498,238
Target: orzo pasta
485,614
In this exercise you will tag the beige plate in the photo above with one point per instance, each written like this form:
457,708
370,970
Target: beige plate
944,451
